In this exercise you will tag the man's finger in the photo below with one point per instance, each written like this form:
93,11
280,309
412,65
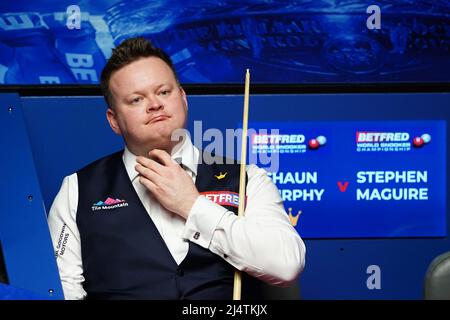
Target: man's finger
148,184
163,157
150,164
149,174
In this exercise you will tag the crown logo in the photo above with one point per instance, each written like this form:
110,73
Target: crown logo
221,176
294,219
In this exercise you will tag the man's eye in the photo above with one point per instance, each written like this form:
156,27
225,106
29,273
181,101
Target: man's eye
136,100
164,92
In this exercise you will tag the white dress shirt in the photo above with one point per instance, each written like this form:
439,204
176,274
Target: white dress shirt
262,243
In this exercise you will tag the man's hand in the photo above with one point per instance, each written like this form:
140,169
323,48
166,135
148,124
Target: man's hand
167,181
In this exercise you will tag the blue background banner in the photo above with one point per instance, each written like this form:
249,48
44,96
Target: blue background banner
67,42
66,133
347,188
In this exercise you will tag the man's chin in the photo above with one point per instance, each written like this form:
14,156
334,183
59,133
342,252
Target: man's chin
163,143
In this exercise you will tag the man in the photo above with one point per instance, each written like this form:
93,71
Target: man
133,225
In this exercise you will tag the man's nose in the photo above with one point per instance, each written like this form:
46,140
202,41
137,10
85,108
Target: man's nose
154,104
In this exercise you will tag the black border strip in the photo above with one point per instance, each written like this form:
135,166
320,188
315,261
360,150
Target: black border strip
213,89
3,274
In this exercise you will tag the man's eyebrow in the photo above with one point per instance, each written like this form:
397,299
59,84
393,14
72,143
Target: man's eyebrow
157,87
142,90
168,84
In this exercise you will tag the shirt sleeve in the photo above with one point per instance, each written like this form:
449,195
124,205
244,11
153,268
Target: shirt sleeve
66,239
262,243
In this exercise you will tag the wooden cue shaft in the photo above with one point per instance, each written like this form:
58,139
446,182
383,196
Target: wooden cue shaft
237,274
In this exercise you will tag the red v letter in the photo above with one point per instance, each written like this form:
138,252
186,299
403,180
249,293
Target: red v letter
342,187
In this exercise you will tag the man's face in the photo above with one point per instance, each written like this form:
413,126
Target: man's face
149,105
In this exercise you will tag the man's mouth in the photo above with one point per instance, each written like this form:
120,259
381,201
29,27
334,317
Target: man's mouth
158,118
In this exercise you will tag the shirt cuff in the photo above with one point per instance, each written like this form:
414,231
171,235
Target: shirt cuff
202,221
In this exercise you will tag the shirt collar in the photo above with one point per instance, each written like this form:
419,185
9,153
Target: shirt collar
186,154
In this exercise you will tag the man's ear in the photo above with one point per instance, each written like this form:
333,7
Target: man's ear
183,95
112,119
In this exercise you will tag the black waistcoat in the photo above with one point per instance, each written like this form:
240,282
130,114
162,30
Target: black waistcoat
123,254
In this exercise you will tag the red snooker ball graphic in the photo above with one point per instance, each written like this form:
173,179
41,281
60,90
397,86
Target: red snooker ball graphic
418,142
313,144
